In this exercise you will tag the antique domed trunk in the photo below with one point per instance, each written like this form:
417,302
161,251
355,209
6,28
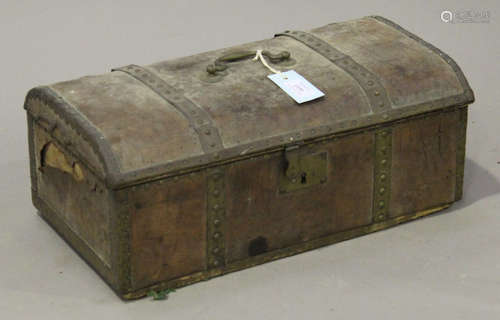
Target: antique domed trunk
168,174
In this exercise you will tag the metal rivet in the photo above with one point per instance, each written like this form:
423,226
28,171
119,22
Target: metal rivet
376,93
381,190
216,206
383,162
382,177
216,222
215,250
217,235
381,204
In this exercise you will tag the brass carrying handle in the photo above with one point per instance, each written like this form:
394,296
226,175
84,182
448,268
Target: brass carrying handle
221,63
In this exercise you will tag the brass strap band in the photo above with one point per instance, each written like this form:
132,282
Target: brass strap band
198,118
216,213
382,174
369,82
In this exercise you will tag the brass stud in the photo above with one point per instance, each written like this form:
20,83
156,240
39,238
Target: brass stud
217,235
383,162
216,222
381,190
382,177
381,204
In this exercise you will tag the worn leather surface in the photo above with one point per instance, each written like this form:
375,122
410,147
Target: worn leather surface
143,130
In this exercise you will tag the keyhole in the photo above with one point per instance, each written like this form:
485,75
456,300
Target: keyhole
303,178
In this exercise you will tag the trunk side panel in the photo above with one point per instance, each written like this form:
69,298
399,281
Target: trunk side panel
168,229
424,163
258,213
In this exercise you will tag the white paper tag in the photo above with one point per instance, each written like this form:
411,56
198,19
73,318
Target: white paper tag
296,86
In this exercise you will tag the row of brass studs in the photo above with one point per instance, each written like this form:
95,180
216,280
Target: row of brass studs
215,218
382,174
368,81
199,119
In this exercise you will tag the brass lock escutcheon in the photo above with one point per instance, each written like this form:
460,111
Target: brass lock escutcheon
303,169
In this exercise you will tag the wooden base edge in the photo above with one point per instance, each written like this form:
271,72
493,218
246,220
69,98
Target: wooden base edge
281,253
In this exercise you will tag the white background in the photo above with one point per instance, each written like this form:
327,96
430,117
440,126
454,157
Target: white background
446,266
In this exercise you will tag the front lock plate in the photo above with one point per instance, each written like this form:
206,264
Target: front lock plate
303,169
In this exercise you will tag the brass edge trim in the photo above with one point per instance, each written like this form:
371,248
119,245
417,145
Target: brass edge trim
216,213
460,152
162,171
81,125
369,82
468,93
198,118
382,174
74,241
282,253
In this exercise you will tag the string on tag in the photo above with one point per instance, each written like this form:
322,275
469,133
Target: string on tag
259,56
